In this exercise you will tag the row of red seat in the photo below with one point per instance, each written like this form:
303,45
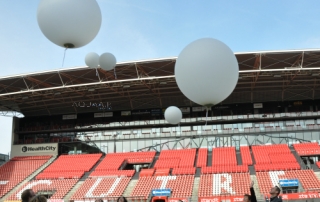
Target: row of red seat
278,166
176,159
202,157
28,158
127,173
146,172
60,175
245,155
115,160
225,169
162,172
307,149
183,171
70,166
224,156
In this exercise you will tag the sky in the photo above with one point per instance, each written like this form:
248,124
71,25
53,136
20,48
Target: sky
148,29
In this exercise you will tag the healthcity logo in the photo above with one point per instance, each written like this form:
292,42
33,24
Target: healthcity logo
36,149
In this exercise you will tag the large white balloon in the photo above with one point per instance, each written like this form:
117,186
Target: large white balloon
92,60
69,23
173,115
107,61
206,71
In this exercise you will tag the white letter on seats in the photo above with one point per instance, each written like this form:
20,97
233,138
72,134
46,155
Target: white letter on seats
274,176
217,185
165,180
32,184
89,194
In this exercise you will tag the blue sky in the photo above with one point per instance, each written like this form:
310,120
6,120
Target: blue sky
145,29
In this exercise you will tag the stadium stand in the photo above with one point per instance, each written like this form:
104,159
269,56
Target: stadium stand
107,180
70,166
176,159
115,160
307,149
307,178
224,161
202,157
224,184
274,157
58,187
245,155
180,185
102,188
17,169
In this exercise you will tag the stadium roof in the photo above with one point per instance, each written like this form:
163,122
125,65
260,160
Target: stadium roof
264,76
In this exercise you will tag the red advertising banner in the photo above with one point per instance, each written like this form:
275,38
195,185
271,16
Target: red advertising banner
221,199
294,196
178,199
55,200
300,196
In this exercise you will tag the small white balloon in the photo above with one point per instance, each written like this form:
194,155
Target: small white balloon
173,115
206,71
71,23
107,61
92,60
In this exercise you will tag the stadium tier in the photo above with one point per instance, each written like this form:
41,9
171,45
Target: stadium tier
224,184
202,157
113,175
307,149
181,186
70,166
102,188
307,178
176,159
57,188
17,169
274,157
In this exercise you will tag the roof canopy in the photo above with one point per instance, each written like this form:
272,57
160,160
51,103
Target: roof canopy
264,76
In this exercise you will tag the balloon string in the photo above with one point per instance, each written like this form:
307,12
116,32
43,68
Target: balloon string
206,115
64,55
115,74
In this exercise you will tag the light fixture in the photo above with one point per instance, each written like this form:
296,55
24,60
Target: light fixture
58,93
163,83
24,98
315,74
277,75
91,89
126,86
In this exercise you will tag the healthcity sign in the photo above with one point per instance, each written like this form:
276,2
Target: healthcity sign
35,149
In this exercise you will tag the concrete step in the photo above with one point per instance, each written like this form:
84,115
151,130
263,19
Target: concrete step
86,174
127,192
299,160
155,160
239,158
195,190
30,177
256,188
209,162
73,190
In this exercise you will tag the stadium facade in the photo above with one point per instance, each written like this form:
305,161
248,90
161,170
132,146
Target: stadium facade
87,111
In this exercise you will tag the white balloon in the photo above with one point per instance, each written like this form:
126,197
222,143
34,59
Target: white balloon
206,71
92,60
107,61
69,23
173,115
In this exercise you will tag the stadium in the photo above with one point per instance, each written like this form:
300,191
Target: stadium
80,134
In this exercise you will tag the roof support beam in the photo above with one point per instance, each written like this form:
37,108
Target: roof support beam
38,82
